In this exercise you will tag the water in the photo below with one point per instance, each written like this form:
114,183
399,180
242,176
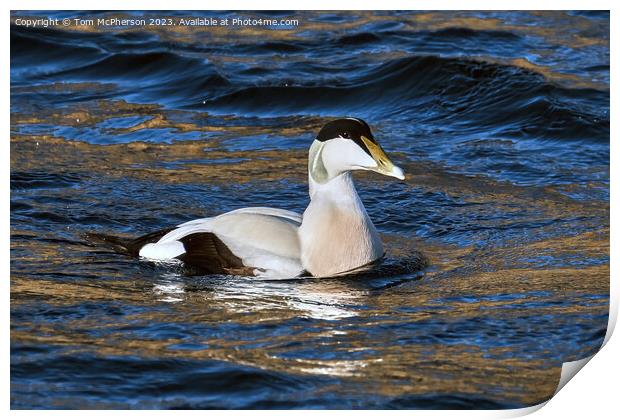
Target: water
500,120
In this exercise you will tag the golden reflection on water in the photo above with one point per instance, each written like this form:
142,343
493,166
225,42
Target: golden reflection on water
559,28
397,371
397,368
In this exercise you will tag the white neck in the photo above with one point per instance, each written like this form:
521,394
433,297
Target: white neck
339,189
336,234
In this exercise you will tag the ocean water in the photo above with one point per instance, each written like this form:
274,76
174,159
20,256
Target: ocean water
499,119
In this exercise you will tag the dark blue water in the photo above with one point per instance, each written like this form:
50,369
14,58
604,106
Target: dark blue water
497,266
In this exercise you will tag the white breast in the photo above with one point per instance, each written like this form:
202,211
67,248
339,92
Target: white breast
337,235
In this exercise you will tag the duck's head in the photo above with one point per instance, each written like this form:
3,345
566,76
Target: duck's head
345,145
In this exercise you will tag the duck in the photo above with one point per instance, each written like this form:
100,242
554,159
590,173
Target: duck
334,235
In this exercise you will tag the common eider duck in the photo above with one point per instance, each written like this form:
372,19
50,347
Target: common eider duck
333,236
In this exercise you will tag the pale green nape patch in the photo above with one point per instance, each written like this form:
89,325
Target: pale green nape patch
316,168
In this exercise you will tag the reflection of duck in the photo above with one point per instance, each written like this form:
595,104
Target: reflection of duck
335,234
330,298
303,297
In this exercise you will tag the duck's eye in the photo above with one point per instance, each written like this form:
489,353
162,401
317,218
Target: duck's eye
346,135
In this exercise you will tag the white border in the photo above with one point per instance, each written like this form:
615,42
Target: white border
593,394
309,5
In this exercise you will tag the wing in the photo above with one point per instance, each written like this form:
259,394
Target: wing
268,211
207,252
261,238
287,215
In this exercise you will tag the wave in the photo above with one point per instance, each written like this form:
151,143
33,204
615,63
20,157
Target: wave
152,76
462,93
32,180
459,93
